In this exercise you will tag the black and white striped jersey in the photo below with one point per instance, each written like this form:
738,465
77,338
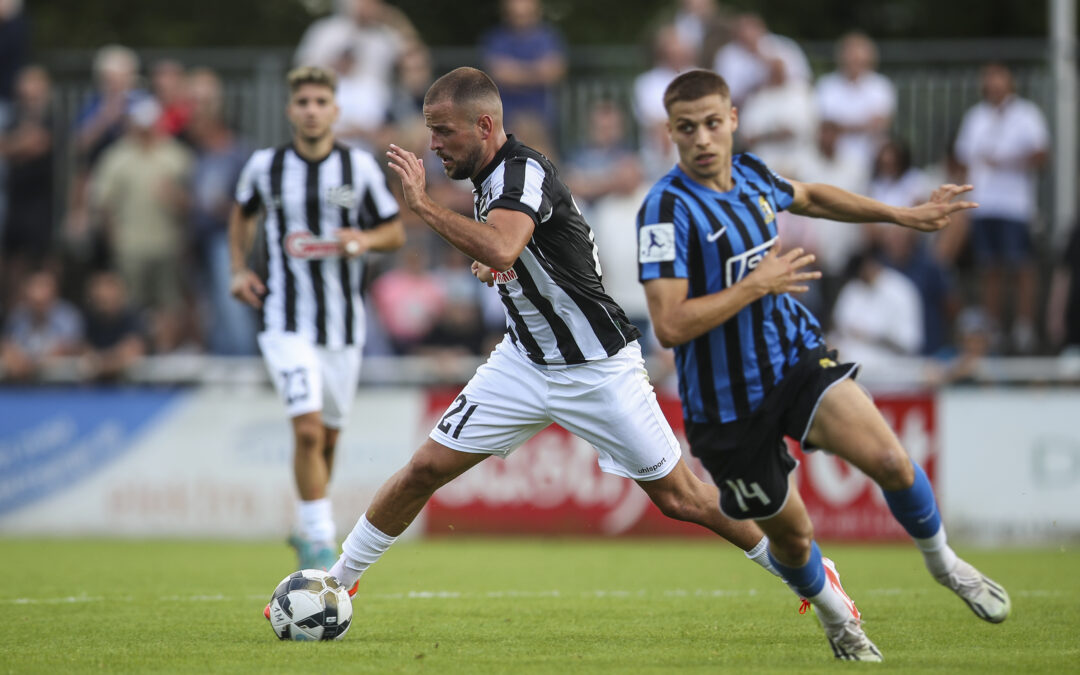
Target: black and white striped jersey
311,290
557,312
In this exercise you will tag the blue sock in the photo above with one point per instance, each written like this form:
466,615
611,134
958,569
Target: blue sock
915,508
809,579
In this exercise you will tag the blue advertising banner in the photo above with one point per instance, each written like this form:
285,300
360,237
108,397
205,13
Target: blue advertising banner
52,439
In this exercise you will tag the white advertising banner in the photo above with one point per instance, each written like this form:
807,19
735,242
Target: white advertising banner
199,462
1011,463
216,462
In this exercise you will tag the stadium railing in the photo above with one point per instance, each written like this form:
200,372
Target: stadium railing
936,81
424,371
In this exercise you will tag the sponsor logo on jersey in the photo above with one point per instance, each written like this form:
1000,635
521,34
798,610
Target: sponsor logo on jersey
656,243
342,195
740,265
306,246
766,210
505,277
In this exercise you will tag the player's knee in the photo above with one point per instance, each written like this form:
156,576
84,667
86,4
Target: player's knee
893,470
423,475
309,437
793,547
678,506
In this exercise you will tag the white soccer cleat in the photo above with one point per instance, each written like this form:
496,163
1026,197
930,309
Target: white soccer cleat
984,596
832,576
849,642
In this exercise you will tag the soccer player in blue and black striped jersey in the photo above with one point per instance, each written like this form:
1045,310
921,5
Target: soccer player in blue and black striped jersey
753,365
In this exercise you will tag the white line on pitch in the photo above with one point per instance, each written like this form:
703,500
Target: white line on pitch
462,595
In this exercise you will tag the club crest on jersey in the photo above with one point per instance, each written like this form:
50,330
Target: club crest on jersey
656,243
342,195
505,277
740,265
306,246
482,206
766,210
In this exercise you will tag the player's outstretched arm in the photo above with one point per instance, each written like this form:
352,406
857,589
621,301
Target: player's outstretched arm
678,319
819,200
245,285
496,243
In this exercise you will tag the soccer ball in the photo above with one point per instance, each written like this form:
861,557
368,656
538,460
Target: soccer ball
310,605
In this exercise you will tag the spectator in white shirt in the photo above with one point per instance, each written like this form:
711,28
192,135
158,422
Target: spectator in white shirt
894,181
858,99
832,242
671,56
744,62
878,315
363,41
778,122
1003,141
705,25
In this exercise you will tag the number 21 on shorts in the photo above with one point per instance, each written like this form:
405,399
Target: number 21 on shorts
456,407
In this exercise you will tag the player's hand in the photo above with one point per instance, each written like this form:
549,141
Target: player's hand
353,242
247,287
410,170
933,215
783,272
483,273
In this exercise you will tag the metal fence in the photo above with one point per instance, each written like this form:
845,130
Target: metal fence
936,82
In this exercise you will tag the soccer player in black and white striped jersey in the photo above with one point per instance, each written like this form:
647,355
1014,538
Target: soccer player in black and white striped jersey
569,356
323,205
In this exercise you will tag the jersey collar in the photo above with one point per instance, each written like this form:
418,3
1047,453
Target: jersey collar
736,182
509,145
314,162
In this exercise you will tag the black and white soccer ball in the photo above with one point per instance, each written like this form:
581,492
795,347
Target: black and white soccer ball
310,605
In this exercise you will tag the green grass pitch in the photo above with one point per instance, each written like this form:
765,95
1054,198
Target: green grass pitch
461,605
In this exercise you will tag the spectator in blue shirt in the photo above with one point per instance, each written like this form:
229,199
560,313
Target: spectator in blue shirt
41,328
527,59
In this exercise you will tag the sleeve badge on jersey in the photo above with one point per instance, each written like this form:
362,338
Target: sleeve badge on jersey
656,243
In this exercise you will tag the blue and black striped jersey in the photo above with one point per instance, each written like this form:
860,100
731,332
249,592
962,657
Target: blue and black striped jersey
714,239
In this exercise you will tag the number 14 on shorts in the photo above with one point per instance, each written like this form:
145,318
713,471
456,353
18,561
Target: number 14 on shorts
743,493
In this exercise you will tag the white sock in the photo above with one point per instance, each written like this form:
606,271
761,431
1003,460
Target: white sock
939,557
316,520
760,555
364,545
831,605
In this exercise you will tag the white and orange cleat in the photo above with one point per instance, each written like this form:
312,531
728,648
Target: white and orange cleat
847,639
833,577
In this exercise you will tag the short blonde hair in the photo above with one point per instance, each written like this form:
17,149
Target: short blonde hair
302,75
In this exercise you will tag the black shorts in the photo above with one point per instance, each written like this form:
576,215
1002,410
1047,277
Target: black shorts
748,458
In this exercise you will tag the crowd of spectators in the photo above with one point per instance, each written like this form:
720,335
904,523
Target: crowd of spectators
886,292
138,264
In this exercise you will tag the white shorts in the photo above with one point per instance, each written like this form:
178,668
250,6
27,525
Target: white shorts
311,378
609,403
